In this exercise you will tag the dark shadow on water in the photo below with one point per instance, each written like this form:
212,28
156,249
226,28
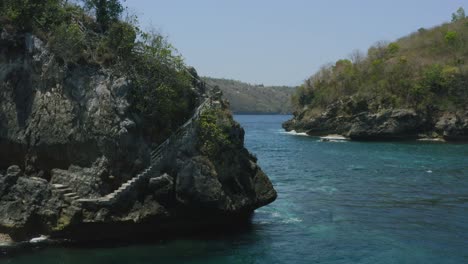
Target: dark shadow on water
229,231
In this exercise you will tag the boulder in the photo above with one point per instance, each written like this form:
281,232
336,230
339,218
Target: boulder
162,186
453,126
197,185
388,124
26,206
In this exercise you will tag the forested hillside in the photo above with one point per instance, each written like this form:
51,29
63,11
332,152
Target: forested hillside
425,73
248,98
426,68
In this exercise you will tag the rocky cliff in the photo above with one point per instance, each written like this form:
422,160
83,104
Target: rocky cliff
69,131
363,120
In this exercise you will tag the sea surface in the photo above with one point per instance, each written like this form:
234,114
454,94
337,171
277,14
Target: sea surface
339,202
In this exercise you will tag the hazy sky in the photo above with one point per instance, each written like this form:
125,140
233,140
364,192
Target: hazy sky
282,42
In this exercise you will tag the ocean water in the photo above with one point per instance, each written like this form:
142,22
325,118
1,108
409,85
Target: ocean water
339,202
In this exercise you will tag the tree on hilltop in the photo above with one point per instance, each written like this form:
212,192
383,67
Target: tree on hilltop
459,15
107,11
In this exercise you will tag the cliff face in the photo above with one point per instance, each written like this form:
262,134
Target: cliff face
360,120
53,116
69,132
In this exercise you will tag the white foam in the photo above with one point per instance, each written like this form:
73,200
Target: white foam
292,220
324,189
276,214
285,218
333,138
294,133
334,141
432,139
40,239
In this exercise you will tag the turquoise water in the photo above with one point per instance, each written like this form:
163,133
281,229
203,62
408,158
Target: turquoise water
351,202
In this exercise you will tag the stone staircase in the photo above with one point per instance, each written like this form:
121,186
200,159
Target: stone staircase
156,157
66,192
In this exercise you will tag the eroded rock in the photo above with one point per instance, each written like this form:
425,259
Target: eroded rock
72,130
361,120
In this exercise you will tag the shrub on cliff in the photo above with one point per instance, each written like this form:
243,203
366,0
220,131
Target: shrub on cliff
212,137
107,12
27,14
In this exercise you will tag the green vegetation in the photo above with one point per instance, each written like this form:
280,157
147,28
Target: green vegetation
63,222
459,15
426,70
92,34
107,12
247,98
213,136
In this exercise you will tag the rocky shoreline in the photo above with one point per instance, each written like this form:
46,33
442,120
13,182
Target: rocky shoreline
355,120
70,138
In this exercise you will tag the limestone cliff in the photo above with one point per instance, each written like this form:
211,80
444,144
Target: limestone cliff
363,120
69,133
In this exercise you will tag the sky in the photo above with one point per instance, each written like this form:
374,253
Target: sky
282,42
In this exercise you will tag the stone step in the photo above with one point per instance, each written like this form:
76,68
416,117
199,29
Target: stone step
59,186
87,200
69,199
71,194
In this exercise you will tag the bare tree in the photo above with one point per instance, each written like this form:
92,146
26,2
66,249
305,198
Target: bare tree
357,56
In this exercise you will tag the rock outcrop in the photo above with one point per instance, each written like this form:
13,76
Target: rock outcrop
453,126
69,131
359,120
